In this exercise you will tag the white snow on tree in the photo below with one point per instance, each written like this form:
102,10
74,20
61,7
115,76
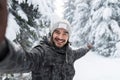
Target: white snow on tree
97,22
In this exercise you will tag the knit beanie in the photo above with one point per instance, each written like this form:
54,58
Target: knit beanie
61,24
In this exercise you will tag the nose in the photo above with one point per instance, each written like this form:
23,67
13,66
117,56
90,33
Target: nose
60,36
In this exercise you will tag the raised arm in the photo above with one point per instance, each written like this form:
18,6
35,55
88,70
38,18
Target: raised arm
18,60
3,19
82,51
3,25
12,60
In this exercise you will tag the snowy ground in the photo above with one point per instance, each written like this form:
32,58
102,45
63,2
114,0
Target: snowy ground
95,67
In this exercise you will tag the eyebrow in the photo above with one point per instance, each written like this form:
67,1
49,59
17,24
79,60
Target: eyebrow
64,31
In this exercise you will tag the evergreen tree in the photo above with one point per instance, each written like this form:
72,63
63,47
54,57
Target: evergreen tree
105,26
79,24
29,28
69,10
97,21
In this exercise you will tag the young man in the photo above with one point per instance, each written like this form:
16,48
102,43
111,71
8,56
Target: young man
53,59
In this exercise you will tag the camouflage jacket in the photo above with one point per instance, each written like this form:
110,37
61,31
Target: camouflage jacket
45,61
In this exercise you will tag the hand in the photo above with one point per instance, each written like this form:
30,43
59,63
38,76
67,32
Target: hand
89,45
3,19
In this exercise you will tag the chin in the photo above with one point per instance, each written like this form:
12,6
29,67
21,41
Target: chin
59,46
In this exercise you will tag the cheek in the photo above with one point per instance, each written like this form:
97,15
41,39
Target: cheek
66,37
54,36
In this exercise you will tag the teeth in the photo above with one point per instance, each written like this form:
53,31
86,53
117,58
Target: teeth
60,41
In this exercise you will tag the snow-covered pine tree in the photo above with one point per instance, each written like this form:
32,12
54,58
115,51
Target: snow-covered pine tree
23,37
30,24
69,10
105,27
81,17
97,21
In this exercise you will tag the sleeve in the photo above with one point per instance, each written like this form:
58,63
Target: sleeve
17,60
78,53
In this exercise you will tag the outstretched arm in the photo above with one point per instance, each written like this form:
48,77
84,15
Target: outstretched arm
12,60
82,51
3,19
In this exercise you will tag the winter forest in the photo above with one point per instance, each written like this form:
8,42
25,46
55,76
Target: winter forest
93,21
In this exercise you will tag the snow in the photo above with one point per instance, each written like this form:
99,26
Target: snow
115,27
12,28
107,13
91,66
113,1
59,8
22,14
45,10
96,67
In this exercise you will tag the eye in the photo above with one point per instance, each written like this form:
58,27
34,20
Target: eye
65,33
57,32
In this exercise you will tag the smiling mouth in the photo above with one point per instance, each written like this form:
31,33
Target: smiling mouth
60,40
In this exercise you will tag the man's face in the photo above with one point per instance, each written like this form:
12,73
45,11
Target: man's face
60,37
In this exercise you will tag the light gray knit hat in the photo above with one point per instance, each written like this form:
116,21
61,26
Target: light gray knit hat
61,24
